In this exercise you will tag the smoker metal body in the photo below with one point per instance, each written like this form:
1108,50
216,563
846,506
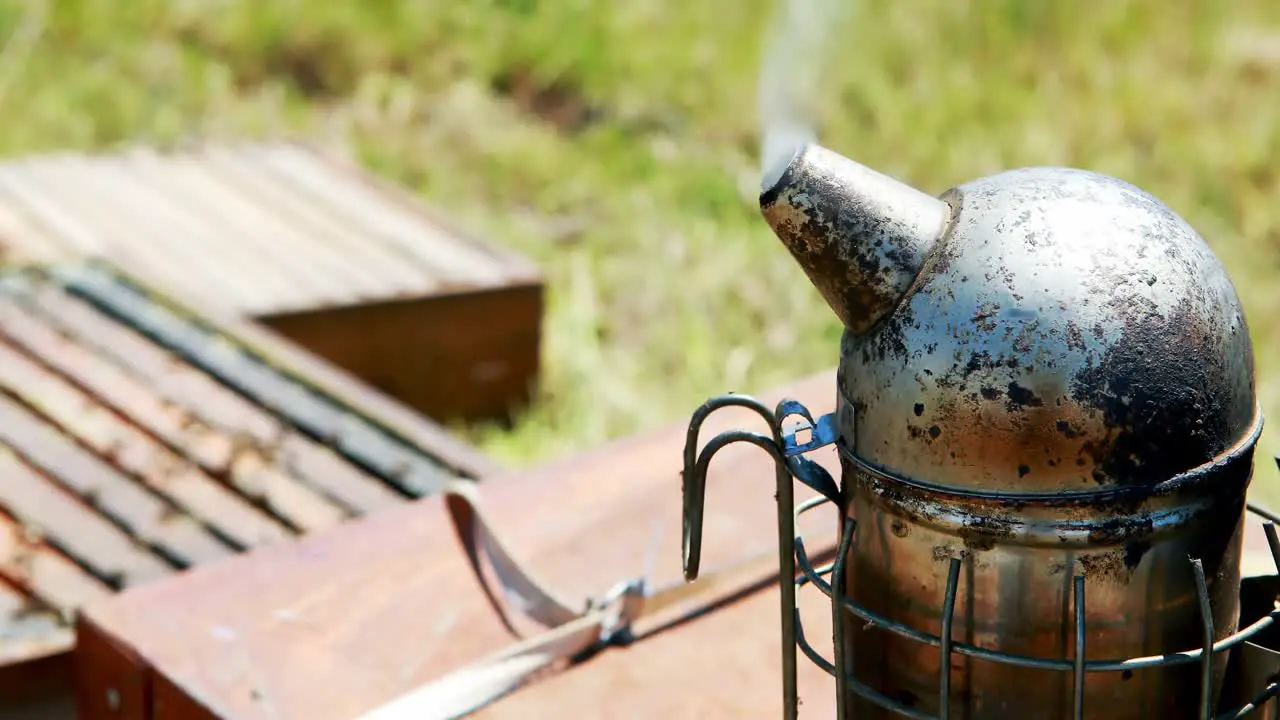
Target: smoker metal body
1046,421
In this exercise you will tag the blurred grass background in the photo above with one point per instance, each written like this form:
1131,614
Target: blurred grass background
614,141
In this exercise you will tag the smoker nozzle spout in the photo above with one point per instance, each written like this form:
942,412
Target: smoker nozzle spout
860,236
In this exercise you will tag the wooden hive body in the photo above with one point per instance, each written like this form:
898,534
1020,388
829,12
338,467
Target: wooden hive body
350,268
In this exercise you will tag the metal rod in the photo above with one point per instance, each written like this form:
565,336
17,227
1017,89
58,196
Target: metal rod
1078,664
868,693
787,577
694,491
948,614
803,643
1206,658
695,482
1150,661
1273,542
1269,692
1264,512
839,581
1078,702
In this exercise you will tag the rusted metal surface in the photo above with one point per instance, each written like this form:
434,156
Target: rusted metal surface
1046,379
307,242
138,440
343,621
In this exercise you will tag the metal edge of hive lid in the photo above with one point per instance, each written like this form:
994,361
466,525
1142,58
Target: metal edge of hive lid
793,432
365,442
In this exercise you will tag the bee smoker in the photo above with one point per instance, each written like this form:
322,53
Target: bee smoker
1046,420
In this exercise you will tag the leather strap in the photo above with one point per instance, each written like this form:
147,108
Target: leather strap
569,633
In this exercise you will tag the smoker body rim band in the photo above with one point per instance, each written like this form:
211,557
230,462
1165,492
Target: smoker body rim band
1047,521
1238,450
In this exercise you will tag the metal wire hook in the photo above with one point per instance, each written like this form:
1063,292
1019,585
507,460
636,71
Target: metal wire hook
694,472
694,478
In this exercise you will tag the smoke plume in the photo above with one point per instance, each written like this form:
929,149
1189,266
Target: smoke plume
797,49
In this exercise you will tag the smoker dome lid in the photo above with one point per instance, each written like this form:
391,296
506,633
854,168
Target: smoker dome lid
1069,333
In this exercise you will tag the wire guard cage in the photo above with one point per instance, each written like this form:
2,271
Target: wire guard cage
787,451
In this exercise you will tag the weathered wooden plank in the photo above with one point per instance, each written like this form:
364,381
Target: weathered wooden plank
251,474
33,635
165,244
144,437
306,405
167,474
291,277
12,603
279,231
226,433
26,561
131,353
27,630
517,269
36,245
147,517
442,257
377,275
458,458
31,200
276,227
337,476
69,524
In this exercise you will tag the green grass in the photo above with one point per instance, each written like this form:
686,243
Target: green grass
665,286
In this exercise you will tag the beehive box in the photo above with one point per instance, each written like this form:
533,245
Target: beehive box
139,438
350,268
